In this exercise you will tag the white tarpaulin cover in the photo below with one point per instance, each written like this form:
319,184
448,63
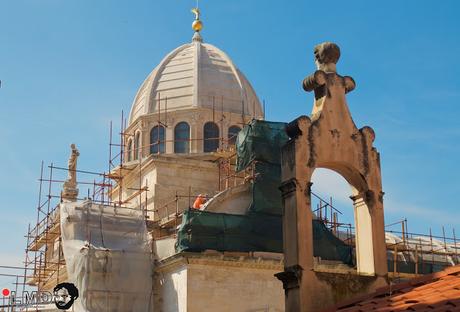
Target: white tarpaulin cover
108,257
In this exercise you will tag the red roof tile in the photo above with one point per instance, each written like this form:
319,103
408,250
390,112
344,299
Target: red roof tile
435,292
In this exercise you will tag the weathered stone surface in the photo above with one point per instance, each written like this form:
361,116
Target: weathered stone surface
224,282
326,54
330,139
165,176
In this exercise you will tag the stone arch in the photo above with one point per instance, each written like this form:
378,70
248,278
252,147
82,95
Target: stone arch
232,134
354,178
211,136
182,138
330,139
359,192
158,139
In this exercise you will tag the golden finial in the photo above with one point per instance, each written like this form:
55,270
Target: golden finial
197,25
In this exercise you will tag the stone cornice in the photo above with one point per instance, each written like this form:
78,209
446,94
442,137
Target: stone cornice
238,260
189,112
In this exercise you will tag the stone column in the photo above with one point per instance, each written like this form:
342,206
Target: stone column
363,236
169,136
195,135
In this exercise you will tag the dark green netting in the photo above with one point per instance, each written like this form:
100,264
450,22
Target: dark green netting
259,144
266,195
409,267
262,141
327,246
202,230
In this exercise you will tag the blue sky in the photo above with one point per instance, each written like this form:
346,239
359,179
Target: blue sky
68,67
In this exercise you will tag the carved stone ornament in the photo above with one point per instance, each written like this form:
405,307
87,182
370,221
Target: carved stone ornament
294,128
290,277
287,187
196,118
327,55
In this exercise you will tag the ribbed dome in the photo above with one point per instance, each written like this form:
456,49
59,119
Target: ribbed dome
196,75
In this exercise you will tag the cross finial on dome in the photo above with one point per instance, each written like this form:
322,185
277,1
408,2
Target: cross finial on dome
197,25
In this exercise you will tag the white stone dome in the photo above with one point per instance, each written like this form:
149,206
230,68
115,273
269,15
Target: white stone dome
195,75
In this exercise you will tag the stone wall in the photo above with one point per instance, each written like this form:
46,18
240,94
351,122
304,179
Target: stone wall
221,282
171,290
164,175
229,289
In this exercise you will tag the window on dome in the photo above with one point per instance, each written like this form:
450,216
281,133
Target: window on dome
137,146
181,138
211,137
232,134
129,151
157,140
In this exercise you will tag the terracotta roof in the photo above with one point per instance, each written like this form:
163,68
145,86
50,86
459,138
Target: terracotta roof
435,292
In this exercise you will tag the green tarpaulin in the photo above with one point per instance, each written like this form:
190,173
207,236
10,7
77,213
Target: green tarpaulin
260,141
266,195
259,144
201,230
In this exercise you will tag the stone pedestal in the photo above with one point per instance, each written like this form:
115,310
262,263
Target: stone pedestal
69,192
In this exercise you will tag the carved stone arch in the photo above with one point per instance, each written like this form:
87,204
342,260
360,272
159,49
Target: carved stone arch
211,136
350,174
329,139
182,136
364,214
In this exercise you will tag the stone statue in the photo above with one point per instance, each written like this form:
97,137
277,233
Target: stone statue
73,165
70,190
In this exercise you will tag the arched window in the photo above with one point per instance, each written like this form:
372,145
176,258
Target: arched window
232,134
157,140
129,151
181,137
211,137
137,145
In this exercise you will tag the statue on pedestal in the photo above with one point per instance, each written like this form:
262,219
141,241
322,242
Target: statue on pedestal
70,190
